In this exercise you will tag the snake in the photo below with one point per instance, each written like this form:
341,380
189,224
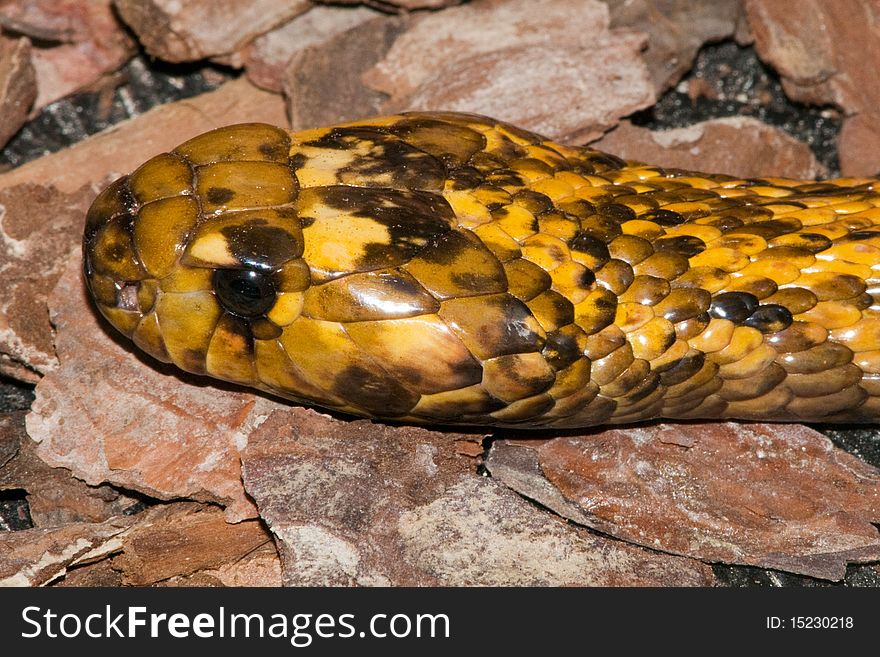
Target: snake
452,269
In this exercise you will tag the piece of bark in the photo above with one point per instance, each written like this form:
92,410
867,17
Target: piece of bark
177,31
18,85
483,27
858,144
181,539
358,503
267,56
549,66
737,146
826,53
261,567
35,557
54,496
83,41
323,83
112,415
41,225
11,433
676,30
147,551
572,94
775,496
95,573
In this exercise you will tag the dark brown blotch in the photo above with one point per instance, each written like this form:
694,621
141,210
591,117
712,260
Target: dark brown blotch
597,311
457,263
862,301
746,214
505,178
601,227
534,202
811,242
797,337
595,248
769,318
682,369
836,287
683,303
111,251
664,217
452,143
389,162
219,195
273,150
616,276
263,329
374,390
578,208
413,219
493,325
690,328
734,306
595,161
563,347
465,178
552,310
489,162
686,245
297,161
770,229
586,279
649,383
616,212
726,223
261,246
525,279
757,286
860,235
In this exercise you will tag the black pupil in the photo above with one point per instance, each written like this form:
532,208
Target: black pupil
244,292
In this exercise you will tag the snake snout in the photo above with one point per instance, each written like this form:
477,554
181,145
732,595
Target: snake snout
113,272
114,201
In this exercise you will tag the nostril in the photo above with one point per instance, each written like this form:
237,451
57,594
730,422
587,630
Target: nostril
127,296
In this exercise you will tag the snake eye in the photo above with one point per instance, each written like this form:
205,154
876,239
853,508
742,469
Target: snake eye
244,292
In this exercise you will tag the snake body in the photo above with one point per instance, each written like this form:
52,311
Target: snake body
449,268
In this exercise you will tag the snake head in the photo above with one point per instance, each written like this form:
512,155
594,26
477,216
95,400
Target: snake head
198,253
335,266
